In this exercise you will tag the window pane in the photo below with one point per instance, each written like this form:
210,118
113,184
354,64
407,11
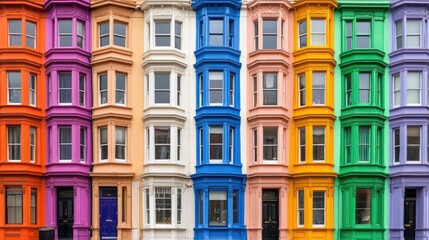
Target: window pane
317,32
363,27
235,206
397,89
14,205
216,143
120,88
65,88
103,143
302,144
364,87
397,144
178,35
120,136
413,33
65,33
300,207
15,33
162,143
413,87
363,206
104,34
216,87
302,92
162,33
218,208
319,87
163,205
162,87
65,141
270,88
216,32
14,142
413,143
14,87
318,208
270,144
119,31
31,34
318,144
269,34
302,28
364,143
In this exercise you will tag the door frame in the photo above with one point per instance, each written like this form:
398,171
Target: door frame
57,206
270,200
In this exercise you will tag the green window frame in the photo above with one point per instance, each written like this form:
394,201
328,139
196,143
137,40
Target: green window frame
358,34
363,88
363,144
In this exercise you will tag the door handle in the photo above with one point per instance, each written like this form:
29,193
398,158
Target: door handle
65,221
407,225
267,222
108,220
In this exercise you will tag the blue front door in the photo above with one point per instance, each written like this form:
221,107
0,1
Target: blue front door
108,213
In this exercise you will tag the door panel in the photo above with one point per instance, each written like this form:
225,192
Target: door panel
65,213
108,218
409,219
270,215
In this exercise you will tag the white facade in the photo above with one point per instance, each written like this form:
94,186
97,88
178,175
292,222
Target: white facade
169,77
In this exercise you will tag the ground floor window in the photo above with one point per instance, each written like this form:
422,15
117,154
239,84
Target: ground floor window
163,205
218,209
13,205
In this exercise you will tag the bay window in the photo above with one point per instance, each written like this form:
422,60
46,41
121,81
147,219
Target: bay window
163,143
362,144
358,33
117,37
16,34
168,34
165,203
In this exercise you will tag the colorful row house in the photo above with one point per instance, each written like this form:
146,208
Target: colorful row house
227,119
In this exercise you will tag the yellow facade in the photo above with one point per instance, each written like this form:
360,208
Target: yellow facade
312,185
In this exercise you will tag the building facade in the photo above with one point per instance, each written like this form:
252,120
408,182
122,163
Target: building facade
117,30
22,119
68,118
169,108
362,83
408,93
219,182
269,107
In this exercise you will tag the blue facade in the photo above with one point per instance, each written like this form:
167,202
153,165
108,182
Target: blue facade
219,184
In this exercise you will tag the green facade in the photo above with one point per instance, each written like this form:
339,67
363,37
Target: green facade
361,128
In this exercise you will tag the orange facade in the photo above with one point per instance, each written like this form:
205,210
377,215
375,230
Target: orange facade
22,119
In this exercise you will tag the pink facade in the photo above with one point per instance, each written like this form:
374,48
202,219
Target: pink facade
269,102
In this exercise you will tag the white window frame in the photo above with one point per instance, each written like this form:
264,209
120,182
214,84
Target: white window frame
415,145
216,130
399,35
396,145
81,25
318,209
216,33
82,83
320,144
28,36
177,200
14,144
302,146
101,145
117,90
168,144
215,76
300,193
65,144
9,89
302,35
276,145
119,35
121,144
32,89
65,33
102,91
160,90
415,89
16,34
318,88
65,89
302,91
408,34
101,36
82,142
266,89
314,33
268,34
396,89
33,139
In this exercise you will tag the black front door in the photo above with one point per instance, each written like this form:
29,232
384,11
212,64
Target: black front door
65,213
270,214
410,214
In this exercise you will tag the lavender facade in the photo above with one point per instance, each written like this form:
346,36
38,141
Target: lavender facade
409,122
68,74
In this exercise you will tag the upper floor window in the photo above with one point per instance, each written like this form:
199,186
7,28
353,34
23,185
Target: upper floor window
408,144
103,92
33,206
301,90
413,143
163,143
396,90
80,34
414,83
65,143
358,34
120,143
318,144
363,144
270,88
32,144
65,87
120,92
82,144
65,33
317,33
269,34
319,88
82,89
319,208
300,208
216,32
270,144
396,145
112,32
363,205
14,143
14,87
32,97
216,144
413,33
221,144
15,31
103,138
220,88
359,88
164,88
168,34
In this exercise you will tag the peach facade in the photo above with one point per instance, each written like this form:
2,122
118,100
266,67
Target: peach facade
112,112
268,57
